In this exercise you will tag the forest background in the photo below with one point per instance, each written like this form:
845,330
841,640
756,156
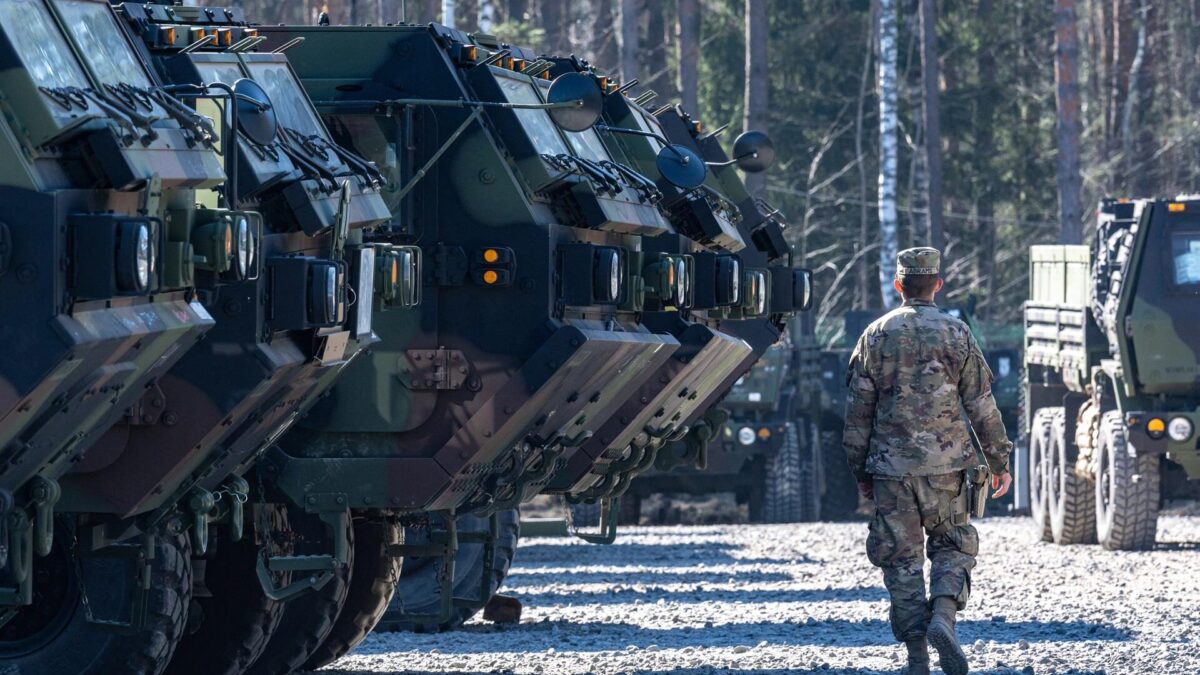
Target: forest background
999,129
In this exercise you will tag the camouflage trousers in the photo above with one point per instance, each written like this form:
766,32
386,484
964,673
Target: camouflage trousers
914,515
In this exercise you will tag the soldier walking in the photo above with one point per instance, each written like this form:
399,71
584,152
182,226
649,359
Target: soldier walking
916,380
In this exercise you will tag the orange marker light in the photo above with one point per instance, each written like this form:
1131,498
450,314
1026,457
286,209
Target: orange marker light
490,277
491,255
764,433
168,35
1175,207
395,272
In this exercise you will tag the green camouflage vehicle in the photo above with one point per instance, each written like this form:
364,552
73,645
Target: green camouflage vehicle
1112,399
275,258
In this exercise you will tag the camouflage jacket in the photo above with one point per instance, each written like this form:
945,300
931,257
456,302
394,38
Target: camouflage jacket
913,375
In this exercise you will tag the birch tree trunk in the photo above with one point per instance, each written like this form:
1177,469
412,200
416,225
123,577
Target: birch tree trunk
629,39
933,128
688,42
1067,126
448,13
863,291
754,114
487,15
888,151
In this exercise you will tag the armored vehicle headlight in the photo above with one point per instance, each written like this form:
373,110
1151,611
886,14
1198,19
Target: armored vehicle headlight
607,275
1180,429
410,277
729,280
324,295
135,257
746,436
681,282
244,246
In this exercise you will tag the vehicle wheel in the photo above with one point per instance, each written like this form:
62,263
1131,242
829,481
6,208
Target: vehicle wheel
307,619
229,627
53,635
419,591
372,583
1072,505
1127,491
839,500
791,493
1039,475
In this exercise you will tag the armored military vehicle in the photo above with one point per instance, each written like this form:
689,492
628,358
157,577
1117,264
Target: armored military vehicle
274,258
1111,387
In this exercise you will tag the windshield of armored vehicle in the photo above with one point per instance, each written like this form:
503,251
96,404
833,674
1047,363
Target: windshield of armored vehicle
36,39
646,122
542,132
588,145
102,43
287,97
1185,252
225,73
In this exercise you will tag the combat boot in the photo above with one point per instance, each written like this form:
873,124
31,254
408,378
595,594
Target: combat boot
941,635
918,657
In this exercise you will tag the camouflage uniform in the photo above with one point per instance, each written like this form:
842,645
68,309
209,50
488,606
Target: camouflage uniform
913,375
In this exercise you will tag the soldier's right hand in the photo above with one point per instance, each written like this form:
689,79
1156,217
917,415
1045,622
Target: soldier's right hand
1001,484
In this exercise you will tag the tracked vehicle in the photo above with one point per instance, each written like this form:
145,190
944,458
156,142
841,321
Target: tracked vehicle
1111,388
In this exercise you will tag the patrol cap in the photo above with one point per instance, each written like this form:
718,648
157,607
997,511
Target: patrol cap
919,260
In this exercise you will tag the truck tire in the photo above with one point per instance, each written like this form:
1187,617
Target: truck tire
307,619
1072,504
791,491
53,636
1039,477
1126,491
229,627
419,592
372,584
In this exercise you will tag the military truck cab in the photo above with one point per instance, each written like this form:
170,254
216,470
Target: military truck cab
1111,381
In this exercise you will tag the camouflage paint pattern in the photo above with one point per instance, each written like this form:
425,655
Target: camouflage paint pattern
914,517
913,374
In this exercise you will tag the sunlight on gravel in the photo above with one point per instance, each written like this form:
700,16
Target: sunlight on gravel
801,598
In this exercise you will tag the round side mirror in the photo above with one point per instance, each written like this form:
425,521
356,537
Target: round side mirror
681,167
753,151
256,115
586,99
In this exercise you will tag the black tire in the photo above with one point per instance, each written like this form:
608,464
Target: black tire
1072,504
1039,475
307,619
419,592
1127,491
228,628
629,510
839,498
372,584
791,492
54,637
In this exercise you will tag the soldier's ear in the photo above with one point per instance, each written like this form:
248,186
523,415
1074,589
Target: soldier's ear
937,288
899,288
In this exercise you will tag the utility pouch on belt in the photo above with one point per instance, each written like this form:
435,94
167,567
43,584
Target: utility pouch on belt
977,481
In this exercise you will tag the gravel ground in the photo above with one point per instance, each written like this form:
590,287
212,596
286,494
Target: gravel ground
803,598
